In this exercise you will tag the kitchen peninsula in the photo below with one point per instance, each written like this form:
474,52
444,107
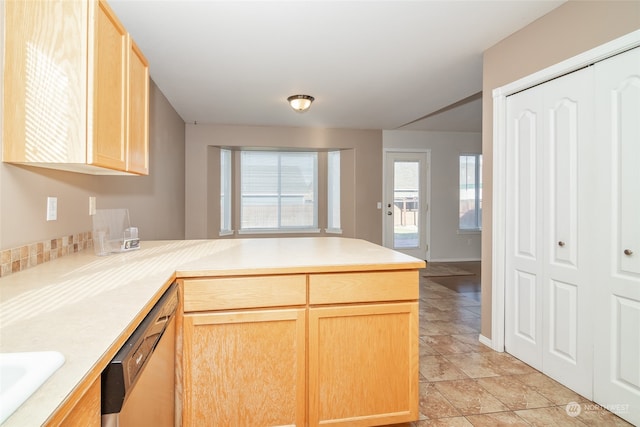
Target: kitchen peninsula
333,324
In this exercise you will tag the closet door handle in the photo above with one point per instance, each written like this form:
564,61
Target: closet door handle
628,252
561,243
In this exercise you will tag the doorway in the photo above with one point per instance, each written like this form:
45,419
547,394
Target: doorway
406,202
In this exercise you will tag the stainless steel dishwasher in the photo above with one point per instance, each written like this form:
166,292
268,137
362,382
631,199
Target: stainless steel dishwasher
138,384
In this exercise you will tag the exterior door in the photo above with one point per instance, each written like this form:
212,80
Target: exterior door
617,291
405,204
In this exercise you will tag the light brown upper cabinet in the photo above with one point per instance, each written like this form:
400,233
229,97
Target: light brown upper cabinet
76,89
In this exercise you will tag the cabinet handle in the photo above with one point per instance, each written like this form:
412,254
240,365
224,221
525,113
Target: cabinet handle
628,252
561,243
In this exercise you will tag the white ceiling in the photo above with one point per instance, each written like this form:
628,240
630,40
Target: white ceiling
369,64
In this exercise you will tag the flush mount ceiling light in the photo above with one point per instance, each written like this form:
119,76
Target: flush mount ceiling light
300,103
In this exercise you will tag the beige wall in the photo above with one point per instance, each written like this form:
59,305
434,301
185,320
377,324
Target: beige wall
446,243
572,28
155,202
361,168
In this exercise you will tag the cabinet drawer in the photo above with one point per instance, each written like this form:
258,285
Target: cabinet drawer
244,292
363,287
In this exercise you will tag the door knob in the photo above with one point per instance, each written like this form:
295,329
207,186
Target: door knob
389,213
628,252
561,243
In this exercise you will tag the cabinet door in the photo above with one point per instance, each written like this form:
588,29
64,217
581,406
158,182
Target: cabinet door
363,364
138,112
244,368
45,82
108,148
86,412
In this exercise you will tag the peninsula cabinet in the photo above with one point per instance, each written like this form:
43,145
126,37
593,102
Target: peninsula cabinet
76,89
364,355
244,366
301,349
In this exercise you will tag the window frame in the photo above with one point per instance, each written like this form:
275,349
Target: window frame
477,183
226,188
280,229
333,192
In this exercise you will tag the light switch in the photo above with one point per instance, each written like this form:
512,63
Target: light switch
92,205
52,208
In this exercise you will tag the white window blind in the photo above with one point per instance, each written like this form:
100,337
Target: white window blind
278,191
470,192
333,192
225,192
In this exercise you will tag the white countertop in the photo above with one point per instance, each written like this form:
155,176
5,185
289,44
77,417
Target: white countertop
81,304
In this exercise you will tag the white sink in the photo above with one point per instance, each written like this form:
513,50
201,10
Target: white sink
21,374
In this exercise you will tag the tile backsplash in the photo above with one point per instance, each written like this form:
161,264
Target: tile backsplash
23,257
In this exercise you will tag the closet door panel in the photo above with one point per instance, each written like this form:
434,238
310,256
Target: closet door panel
563,182
627,314
626,114
567,328
526,303
563,334
526,186
523,328
617,294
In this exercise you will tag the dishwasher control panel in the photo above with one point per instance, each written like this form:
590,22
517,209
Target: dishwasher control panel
120,375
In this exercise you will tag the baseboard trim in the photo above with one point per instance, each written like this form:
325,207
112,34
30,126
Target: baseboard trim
454,260
486,341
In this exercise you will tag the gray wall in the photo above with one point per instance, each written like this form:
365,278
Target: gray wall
446,243
155,202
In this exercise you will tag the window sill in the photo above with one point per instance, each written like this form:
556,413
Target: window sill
470,231
333,230
280,231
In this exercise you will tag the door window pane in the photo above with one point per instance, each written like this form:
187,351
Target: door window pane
406,204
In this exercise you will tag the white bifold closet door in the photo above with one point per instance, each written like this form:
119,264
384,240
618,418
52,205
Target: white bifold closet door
549,182
572,267
523,275
617,280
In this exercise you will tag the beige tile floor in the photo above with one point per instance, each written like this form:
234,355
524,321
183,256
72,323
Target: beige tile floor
464,383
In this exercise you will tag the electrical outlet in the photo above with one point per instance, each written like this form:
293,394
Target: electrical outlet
52,208
92,205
